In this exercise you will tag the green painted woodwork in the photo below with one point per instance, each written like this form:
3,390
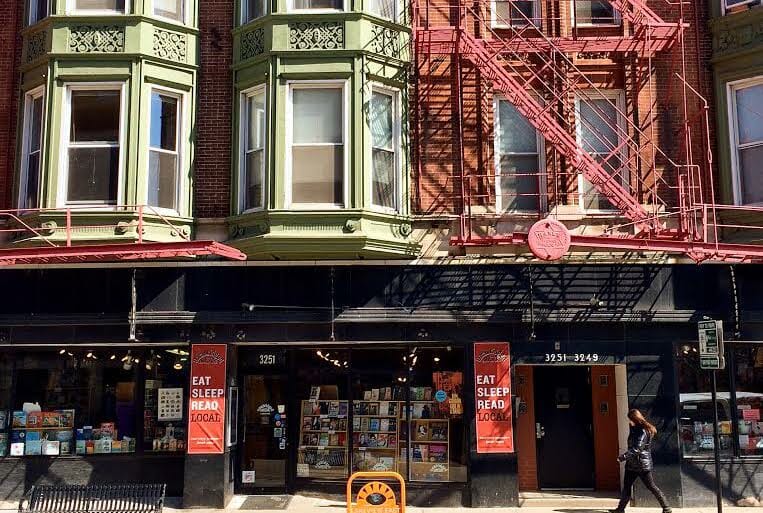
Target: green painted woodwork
140,52
737,55
362,51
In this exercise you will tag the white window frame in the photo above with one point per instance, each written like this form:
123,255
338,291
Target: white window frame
616,22
496,23
395,12
180,96
396,147
292,9
32,8
243,132
317,84
618,95
725,5
731,90
29,98
63,178
183,17
243,15
541,147
71,8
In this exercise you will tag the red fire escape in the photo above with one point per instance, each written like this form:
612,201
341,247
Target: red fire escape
29,240
663,198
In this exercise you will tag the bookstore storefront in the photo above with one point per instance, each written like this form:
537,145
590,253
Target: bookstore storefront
74,414
311,417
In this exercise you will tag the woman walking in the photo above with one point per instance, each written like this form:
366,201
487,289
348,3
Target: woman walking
638,461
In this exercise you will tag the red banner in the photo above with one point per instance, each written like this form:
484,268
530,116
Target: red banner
492,392
206,406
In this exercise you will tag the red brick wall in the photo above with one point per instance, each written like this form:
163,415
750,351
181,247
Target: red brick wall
438,188
10,57
212,166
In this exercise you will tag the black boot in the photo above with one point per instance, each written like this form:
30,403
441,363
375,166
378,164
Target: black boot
617,510
667,509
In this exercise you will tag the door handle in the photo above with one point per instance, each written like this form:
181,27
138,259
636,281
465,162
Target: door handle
540,431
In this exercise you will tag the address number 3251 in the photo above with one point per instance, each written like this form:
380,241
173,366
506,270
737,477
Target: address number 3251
571,358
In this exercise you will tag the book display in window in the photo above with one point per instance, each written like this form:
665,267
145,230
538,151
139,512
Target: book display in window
428,444
322,449
375,432
42,433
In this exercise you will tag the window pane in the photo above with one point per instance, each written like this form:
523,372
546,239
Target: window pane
93,174
165,400
750,114
318,4
95,116
32,181
519,182
749,395
162,180
317,116
254,172
35,126
696,416
107,5
517,135
598,125
164,121
254,9
172,9
594,11
384,178
751,176
256,115
381,120
317,174
591,197
38,10
383,8
514,12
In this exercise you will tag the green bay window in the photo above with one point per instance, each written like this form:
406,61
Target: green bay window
117,6
252,157
164,150
384,151
29,183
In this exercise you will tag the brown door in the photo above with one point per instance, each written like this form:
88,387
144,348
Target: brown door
264,446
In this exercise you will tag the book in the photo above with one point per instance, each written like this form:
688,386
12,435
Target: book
315,393
374,394
323,441
356,423
385,463
374,425
372,440
439,431
388,394
33,447
51,419
17,449
307,423
421,431
334,440
341,439
3,444
307,408
343,408
34,419
51,447
333,408
384,408
367,395
373,408
438,453
3,419
364,424
384,425
382,440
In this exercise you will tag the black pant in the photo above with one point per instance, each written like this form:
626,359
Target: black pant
648,480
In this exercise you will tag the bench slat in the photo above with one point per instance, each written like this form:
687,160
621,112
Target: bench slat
116,498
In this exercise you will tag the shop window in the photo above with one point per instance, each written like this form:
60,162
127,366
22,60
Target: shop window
37,10
253,9
324,413
747,140
164,150
252,158
73,402
164,400
317,145
31,158
748,366
384,153
97,5
170,9
595,12
696,414
517,159
515,13
599,128
93,140
437,443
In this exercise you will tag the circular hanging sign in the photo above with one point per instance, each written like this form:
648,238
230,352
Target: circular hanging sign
440,396
549,239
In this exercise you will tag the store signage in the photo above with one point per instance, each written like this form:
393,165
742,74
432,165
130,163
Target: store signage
492,384
376,497
206,425
710,338
571,358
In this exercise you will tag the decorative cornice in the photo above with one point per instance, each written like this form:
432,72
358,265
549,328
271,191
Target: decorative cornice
735,34
35,45
325,35
170,45
97,39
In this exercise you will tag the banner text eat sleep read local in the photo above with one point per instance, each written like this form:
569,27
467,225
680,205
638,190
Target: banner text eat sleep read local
492,391
206,406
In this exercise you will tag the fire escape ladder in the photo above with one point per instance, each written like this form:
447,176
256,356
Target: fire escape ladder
547,125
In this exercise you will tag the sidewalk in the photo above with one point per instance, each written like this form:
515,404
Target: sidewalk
302,504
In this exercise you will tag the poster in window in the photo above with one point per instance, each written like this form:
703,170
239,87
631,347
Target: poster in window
170,404
492,387
206,424
448,387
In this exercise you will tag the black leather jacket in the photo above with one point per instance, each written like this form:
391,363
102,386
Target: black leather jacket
638,457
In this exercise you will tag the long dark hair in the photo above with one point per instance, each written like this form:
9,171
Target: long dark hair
638,418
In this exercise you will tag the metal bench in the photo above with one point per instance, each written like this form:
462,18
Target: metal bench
107,498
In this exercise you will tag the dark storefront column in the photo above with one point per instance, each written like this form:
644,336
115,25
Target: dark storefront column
209,478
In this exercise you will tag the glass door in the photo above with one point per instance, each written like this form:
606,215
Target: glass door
263,446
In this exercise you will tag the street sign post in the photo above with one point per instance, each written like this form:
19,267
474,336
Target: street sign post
711,353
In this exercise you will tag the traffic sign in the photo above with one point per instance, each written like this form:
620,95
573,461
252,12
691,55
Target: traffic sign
710,338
